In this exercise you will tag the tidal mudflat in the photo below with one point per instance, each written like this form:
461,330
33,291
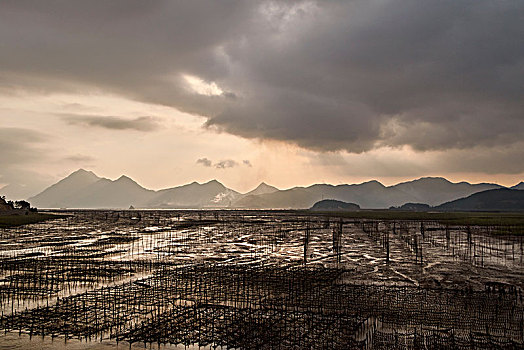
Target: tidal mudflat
258,279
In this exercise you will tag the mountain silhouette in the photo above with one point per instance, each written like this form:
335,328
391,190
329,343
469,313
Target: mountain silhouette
436,190
370,195
57,195
84,189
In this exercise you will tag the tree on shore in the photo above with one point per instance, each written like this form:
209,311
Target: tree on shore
22,205
15,205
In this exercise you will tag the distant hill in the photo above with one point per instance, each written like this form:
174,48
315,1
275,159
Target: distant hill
412,207
334,205
503,199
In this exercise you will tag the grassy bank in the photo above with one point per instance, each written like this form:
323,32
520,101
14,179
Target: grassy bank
17,220
508,222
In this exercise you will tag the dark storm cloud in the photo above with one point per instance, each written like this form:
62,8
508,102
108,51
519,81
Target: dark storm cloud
493,160
490,160
326,75
115,123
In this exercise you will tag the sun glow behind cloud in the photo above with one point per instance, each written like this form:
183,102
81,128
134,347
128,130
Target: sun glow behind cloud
202,87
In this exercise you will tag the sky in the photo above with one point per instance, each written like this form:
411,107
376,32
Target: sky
287,92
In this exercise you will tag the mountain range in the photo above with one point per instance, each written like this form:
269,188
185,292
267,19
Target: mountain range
84,189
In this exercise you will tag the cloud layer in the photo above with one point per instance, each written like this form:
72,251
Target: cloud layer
327,75
114,123
223,164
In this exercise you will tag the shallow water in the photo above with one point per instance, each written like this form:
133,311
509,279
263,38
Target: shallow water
14,341
163,262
